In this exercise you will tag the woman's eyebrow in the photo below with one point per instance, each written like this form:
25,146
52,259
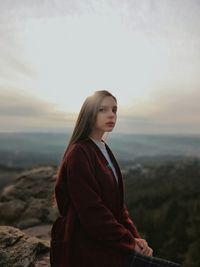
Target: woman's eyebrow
107,106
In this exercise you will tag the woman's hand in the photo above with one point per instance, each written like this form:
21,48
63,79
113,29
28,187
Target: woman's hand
142,247
137,248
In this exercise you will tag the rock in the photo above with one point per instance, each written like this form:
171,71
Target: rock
41,231
18,249
10,210
28,202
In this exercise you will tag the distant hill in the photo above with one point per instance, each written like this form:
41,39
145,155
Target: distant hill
31,149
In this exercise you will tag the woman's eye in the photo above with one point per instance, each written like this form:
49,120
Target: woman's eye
104,110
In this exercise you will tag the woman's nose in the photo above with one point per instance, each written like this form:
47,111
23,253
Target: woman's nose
111,113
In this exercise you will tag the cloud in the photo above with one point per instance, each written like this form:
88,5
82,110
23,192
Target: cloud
20,111
157,40
164,111
37,8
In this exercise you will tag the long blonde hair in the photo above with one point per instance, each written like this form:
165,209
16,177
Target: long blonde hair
87,117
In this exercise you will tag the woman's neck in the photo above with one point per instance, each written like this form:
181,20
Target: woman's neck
97,137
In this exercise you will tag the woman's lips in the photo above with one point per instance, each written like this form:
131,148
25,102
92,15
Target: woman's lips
110,123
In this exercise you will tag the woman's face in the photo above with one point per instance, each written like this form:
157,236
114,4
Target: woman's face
106,116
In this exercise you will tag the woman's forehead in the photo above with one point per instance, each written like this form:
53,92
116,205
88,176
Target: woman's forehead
108,101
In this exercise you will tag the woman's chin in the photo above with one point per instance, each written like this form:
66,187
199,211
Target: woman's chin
109,129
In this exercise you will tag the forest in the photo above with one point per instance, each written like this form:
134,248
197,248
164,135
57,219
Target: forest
164,202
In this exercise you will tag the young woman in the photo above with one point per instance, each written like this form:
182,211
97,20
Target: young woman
94,228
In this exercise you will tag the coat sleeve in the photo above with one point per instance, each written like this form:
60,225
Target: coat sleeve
129,223
97,220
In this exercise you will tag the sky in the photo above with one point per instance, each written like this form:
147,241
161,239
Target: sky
53,54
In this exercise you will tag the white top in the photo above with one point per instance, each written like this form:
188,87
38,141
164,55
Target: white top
103,149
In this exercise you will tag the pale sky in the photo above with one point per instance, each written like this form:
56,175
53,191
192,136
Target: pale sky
53,54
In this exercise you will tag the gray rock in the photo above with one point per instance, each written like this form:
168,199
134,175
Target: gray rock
28,202
18,249
11,210
41,231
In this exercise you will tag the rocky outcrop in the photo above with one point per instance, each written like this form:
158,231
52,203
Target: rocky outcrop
20,250
28,202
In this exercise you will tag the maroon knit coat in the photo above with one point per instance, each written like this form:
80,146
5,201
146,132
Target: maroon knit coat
94,228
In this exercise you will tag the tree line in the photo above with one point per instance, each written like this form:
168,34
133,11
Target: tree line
164,202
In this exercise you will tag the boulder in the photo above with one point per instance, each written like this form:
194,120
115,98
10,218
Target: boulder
18,249
28,201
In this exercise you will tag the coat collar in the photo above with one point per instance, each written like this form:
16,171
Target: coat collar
120,186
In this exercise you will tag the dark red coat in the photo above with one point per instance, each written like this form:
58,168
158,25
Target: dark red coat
94,228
